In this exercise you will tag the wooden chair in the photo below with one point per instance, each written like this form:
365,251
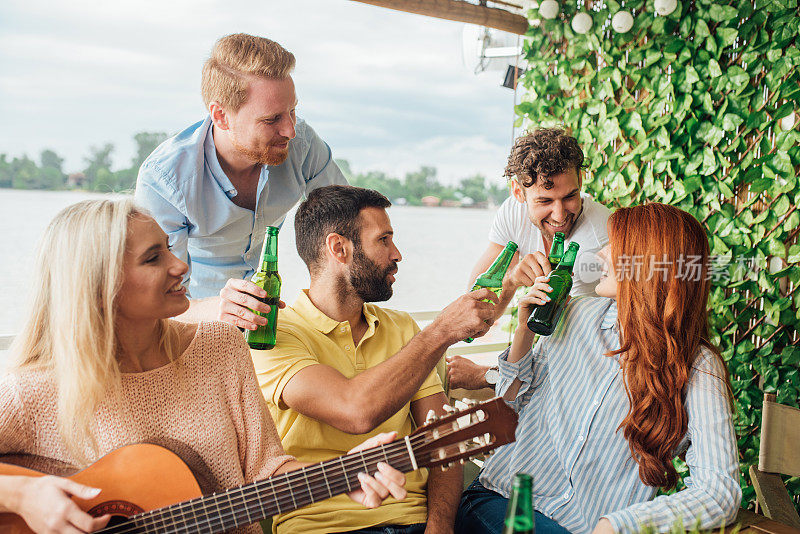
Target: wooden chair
779,454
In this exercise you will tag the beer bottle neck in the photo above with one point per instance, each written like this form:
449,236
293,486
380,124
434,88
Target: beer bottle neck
269,254
267,266
500,265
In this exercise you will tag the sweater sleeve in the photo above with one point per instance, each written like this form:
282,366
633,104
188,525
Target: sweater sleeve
16,430
262,452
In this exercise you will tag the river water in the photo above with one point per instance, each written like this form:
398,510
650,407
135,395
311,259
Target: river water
439,248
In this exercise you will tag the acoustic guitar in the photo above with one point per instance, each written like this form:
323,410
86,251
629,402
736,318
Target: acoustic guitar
147,488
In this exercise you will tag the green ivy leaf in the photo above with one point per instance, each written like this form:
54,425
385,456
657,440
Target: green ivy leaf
781,206
701,29
726,36
760,185
731,121
714,69
691,75
784,111
738,76
722,13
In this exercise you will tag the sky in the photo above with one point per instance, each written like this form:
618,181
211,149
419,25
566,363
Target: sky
387,90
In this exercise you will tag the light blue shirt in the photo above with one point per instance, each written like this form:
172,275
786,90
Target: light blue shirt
183,186
570,404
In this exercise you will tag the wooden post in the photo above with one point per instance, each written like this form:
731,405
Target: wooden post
458,11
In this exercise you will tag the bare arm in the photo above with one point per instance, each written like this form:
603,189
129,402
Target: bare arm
523,337
357,405
444,487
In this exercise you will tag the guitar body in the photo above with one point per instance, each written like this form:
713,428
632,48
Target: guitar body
133,479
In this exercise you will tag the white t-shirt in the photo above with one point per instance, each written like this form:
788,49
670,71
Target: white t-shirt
511,223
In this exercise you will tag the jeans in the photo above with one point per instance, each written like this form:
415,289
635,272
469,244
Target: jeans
483,511
417,528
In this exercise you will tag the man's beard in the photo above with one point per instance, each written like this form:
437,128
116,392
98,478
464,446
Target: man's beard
368,280
263,156
548,231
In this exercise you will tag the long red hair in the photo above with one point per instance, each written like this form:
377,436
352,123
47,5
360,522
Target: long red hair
663,322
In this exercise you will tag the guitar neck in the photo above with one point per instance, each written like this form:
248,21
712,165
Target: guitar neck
278,494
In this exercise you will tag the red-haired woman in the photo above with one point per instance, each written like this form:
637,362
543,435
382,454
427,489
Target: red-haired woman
625,384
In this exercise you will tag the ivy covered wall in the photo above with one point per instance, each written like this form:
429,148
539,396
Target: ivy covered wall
696,109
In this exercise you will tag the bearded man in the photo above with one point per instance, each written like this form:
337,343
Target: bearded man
216,186
343,368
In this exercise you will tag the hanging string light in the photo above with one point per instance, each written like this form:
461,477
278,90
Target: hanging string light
549,9
665,7
582,23
622,22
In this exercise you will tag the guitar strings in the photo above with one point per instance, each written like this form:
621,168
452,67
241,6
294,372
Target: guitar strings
165,517
158,516
256,489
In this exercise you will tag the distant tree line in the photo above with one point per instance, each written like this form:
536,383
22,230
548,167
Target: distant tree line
96,175
48,172
423,182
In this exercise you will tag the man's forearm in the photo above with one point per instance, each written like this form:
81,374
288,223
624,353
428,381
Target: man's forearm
444,494
385,388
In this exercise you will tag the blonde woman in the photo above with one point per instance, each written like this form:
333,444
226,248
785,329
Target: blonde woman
99,365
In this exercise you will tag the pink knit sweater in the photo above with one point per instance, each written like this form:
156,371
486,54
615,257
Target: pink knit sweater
205,407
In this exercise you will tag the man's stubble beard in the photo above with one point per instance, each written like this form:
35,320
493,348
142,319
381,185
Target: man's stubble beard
550,234
368,279
261,157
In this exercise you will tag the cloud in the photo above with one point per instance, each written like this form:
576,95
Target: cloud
447,153
377,84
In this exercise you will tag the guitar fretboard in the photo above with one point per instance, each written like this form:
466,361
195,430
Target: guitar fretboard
250,503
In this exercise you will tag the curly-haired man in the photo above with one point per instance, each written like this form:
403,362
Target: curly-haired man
545,171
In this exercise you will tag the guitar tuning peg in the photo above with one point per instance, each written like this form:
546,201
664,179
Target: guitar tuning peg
431,417
469,402
461,461
445,467
449,409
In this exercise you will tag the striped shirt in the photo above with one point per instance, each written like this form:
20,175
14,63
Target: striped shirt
571,403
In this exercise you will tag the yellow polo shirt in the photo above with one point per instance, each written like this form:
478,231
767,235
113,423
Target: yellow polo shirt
306,336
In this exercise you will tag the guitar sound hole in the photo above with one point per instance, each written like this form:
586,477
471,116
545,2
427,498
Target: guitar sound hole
120,511
117,520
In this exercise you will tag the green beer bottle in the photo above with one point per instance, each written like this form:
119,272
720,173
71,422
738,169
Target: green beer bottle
545,317
556,249
493,277
519,514
268,279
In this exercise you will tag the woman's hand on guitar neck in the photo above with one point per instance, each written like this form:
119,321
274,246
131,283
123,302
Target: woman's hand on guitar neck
45,505
387,481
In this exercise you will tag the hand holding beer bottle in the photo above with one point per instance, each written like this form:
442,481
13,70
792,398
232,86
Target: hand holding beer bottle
492,279
552,295
268,279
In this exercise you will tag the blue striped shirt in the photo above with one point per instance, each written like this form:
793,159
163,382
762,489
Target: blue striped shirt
571,403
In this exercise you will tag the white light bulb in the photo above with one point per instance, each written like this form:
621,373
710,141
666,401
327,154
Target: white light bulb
665,7
622,22
787,123
582,23
548,9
